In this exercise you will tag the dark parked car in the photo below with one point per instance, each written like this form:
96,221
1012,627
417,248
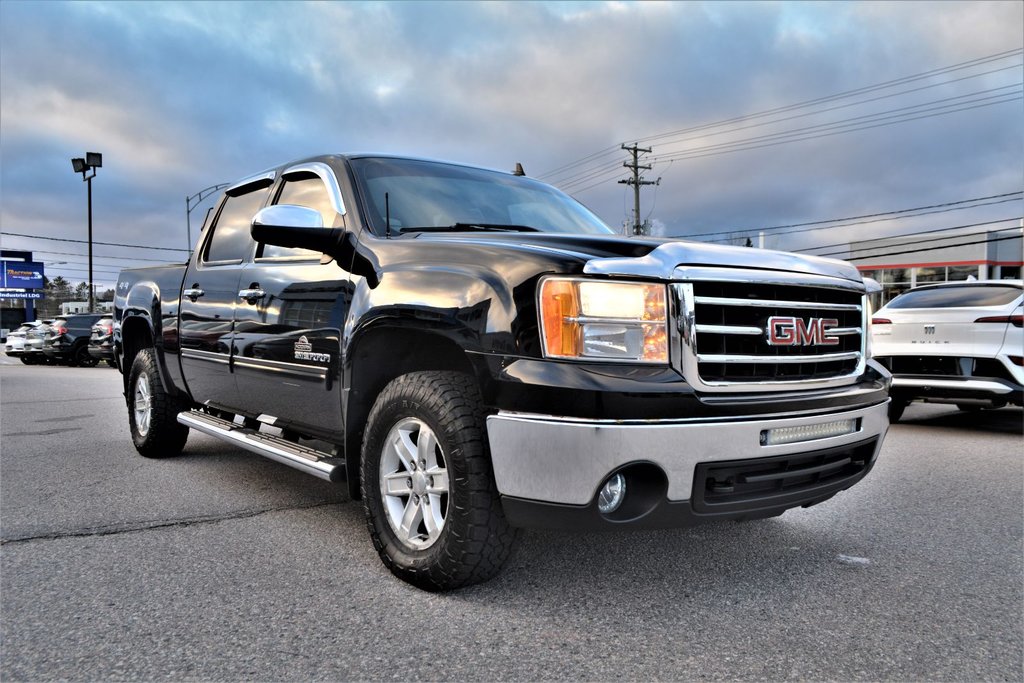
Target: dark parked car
100,341
68,341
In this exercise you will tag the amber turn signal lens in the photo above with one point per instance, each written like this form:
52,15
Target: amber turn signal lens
604,320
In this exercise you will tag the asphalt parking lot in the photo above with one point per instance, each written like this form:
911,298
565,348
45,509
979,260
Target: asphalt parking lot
220,565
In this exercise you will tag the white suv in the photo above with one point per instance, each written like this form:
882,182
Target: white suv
958,342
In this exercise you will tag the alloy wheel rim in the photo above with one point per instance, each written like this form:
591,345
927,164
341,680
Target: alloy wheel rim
414,484
143,405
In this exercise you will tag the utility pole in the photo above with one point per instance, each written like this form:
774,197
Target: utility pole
636,181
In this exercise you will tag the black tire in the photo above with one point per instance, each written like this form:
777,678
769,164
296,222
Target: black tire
474,538
896,408
25,360
80,357
159,436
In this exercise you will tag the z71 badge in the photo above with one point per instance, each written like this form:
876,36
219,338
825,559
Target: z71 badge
304,351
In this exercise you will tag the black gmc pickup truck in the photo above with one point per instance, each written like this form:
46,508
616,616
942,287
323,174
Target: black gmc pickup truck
474,351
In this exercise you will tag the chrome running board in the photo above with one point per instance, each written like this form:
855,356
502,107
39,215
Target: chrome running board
308,460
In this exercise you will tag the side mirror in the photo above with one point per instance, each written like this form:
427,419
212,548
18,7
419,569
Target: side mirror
287,225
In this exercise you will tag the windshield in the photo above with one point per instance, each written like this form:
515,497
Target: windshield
431,195
968,296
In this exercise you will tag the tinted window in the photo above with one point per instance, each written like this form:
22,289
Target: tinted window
956,297
302,190
432,195
230,240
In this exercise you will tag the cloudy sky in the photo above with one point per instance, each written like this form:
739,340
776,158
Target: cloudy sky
758,114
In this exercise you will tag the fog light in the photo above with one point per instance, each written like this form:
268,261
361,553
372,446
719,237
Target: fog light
612,493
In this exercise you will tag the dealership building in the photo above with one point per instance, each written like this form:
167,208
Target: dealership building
899,263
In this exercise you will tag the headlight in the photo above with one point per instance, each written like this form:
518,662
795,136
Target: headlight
599,320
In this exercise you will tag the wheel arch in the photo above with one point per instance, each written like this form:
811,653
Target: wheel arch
379,355
136,335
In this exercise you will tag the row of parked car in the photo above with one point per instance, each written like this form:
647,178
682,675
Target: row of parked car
82,340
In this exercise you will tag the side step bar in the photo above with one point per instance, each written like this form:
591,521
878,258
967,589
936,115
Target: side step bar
308,460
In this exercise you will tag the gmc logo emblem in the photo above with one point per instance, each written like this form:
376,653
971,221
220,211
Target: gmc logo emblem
784,330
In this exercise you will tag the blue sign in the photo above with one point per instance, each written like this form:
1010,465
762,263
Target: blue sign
21,295
23,274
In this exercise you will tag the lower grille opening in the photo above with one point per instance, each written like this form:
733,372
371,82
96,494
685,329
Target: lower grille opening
946,366
786,480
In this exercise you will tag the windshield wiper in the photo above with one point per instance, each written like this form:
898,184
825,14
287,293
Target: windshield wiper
470,227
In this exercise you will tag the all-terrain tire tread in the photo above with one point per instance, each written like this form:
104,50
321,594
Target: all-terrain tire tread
166,436
481,538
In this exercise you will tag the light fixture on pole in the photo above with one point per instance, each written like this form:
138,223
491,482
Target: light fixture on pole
195,200
91,162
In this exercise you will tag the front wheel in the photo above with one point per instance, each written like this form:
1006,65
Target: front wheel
152,412
428,490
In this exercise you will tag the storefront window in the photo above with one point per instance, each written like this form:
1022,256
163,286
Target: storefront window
936,274
962,272
894,276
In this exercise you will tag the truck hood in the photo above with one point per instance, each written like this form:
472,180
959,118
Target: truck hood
652,258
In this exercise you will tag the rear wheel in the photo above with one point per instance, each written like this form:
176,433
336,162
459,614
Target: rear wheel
428,490
80,357
152,412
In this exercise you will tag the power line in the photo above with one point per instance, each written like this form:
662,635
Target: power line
931,240
698,153
583,175
907,235
874,220
799,105
944,246
866,215
106,244
854,123
119,258
849,93
741,233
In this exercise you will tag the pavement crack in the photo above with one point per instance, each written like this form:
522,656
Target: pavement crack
115,529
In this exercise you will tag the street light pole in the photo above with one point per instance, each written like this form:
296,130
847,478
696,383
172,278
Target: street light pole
198,198
92,303
91,162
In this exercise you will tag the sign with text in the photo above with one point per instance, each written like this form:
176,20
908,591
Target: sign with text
21,295
23,274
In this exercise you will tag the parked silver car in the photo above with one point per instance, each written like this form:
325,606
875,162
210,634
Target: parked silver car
34,340
19,346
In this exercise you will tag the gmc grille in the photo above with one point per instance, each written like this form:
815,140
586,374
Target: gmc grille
728,340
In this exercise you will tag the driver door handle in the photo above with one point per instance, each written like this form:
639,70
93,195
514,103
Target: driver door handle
252,295
193,293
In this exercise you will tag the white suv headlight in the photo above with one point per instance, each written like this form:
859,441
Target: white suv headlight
602,320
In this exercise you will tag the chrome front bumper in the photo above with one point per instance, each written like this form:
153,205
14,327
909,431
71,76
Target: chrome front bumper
565,461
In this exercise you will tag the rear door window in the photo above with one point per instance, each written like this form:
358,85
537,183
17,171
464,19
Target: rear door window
958,297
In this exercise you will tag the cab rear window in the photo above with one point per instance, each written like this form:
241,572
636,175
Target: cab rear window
958,297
